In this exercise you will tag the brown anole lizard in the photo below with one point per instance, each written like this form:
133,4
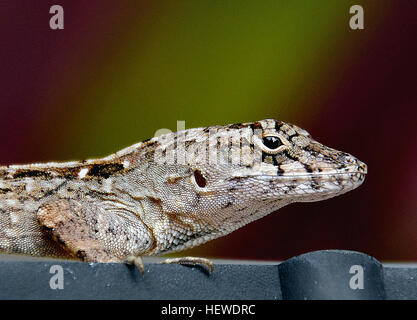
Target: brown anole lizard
168,193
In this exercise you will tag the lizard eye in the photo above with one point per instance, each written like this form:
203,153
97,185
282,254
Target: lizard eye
272,142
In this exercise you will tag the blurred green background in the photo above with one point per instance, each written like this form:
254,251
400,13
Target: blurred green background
119,71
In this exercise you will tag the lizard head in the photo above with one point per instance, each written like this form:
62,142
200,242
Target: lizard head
295,166
232,175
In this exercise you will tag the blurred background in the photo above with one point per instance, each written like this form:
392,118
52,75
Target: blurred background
119,71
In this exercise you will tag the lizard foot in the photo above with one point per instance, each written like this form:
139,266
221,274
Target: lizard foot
191,261
137,261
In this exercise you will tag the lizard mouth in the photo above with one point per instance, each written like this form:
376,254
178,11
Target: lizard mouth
313,187
359,170
323,186
317,174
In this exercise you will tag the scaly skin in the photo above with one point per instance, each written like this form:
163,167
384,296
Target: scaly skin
169,193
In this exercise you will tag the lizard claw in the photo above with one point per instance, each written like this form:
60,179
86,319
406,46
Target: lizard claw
191,261
137,261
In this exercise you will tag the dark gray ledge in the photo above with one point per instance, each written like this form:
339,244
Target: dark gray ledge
315,275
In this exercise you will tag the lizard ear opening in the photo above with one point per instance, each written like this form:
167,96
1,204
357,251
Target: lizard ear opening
199,179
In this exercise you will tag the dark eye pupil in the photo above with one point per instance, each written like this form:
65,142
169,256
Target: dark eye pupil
272,142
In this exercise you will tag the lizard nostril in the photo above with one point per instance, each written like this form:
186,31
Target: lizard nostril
363,168
346,158
199,179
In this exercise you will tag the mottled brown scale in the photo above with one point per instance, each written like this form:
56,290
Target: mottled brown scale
256,125
104,170
237,126
31,174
